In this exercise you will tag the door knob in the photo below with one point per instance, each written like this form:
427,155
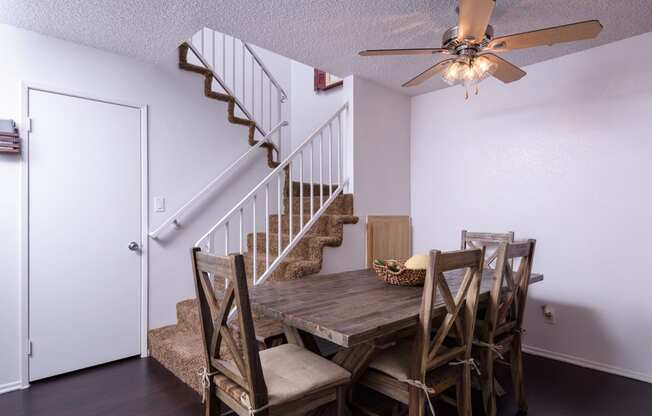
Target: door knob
133,246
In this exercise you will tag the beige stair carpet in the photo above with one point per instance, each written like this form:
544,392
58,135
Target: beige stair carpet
178,347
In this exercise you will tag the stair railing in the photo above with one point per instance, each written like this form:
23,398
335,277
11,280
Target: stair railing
319,158
174,218
242,75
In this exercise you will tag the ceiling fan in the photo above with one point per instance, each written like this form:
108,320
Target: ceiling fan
473,47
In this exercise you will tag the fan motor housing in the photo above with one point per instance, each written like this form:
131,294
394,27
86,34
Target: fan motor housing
458,46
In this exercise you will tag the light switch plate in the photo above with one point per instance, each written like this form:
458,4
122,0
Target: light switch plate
159,204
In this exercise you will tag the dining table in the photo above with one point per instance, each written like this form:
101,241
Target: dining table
354,310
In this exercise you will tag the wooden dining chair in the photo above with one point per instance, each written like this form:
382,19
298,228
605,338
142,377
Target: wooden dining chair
500,330
490,241
426,365
284,380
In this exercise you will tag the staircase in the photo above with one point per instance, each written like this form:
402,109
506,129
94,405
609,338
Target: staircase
209,76
281,226
178,347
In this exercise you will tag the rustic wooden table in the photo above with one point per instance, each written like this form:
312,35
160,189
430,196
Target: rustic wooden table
353,309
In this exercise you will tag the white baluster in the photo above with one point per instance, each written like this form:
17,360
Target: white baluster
201,48
290,201
244,96
266,226
339,148
321,169
253,101
312,182
255,238
210,245
301,191
269,123
233,66
278,120
262,111
330,158
241,230
279,230
224,57
213,49
226,239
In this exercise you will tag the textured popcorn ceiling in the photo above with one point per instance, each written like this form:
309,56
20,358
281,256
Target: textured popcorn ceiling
322,33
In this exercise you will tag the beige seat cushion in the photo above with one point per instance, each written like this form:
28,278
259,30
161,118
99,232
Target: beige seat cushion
395,361
290,372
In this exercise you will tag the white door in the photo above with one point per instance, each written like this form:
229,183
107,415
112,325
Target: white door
84,210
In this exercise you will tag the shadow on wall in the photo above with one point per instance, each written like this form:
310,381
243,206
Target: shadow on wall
577,329
203,206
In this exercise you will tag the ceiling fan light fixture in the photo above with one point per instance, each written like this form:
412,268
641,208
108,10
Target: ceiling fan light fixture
468,72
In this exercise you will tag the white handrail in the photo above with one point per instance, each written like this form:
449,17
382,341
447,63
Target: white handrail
259,196
238,77
173,219
284,96
226,88
271,175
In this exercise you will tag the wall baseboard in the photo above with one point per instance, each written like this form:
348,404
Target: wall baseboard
6,388
582,362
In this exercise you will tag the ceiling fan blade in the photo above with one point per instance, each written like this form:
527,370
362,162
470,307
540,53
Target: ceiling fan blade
549,36
413,51
474,18
429,73
504,71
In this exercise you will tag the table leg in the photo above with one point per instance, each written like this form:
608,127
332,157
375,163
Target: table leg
356,360
301,338
292,335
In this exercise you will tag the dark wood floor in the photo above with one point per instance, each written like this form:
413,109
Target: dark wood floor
143,387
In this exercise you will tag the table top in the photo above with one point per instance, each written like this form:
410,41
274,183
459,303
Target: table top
353,307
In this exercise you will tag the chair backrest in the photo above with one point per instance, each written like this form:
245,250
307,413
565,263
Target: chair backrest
243,352
460,295
509,289
490,241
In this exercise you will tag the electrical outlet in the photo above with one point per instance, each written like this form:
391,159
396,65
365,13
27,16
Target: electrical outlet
549,314
159,204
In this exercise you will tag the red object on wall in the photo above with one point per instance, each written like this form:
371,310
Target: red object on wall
322,81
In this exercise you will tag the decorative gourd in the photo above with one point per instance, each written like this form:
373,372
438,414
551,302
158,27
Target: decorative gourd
417,262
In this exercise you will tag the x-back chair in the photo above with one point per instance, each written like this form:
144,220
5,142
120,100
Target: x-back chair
284,380
415,369
490,241
500,330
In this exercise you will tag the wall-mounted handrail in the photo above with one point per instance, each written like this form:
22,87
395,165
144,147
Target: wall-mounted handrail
284,96
174,218
331,133
241,74
226,88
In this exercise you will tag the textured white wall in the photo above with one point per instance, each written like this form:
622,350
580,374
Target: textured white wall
380,166
562,156
310,109
190,140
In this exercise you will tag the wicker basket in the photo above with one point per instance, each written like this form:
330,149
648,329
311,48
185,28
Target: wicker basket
393,272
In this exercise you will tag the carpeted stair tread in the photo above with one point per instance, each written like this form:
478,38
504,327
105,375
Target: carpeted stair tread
181,352
342,205
210,93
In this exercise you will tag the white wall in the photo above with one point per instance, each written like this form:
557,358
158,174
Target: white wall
309,108
380,166
561,156
190,141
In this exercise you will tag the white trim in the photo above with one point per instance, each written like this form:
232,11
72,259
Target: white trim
144,230
24,244
14,385
582,362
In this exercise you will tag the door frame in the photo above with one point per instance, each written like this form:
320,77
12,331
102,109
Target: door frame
26,87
